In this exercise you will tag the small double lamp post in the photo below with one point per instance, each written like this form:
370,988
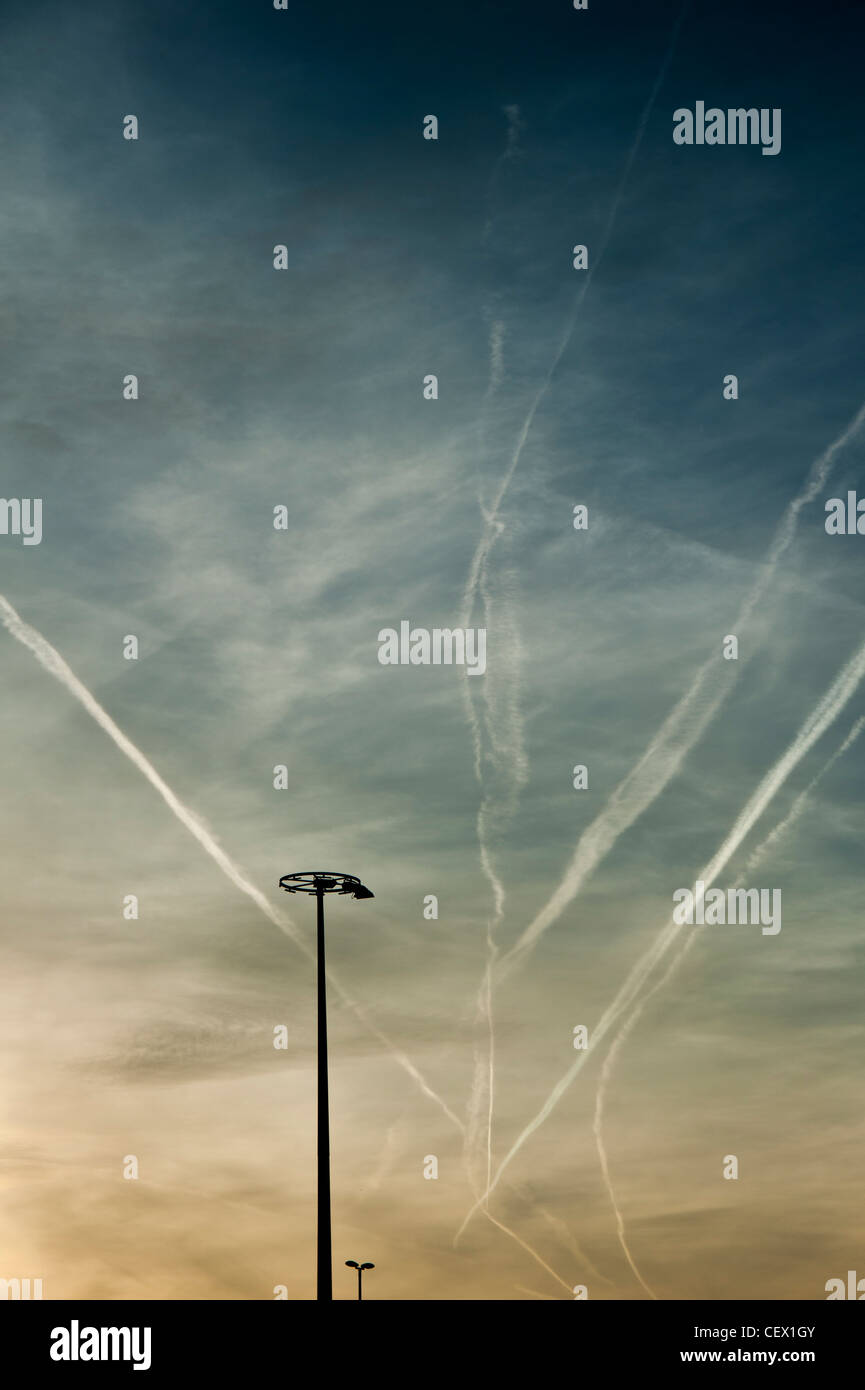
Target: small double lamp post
353,1264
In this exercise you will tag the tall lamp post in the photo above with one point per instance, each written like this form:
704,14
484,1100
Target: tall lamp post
319,883
353,1264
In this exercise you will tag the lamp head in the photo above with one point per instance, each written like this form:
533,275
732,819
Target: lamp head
316,881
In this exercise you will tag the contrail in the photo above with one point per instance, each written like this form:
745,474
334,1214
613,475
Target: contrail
497,356
489,533
524,1245
53,662
514,752
499,699
493,527
606,1071
483,1081
681,729
801,800
515,126
513,1235
819,720
497,738
386,1160
605,1078
534,1254
558,1225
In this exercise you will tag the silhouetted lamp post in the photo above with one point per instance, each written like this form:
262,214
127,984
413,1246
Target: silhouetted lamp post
319,884
353,1264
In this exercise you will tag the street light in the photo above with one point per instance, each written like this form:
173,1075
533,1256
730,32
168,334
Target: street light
353,1264
319,883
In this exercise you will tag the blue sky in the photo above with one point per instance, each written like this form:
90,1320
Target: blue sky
258,647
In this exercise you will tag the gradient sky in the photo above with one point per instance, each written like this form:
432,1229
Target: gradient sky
258,647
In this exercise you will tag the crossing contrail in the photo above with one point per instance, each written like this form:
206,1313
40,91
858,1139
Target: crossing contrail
493,527
754,860
501,783
558,1225
825,712
681,729
534,1254
801,801
53,662
507,753
494,721
489,533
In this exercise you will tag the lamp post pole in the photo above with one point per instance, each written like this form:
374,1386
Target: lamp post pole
320,883
324,1289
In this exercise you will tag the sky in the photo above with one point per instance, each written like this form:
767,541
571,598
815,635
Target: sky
452,1038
